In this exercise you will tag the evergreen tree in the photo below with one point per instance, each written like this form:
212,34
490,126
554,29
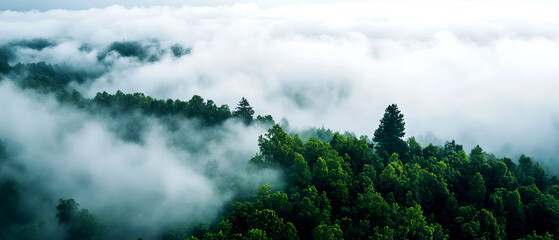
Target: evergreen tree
244,111
390,132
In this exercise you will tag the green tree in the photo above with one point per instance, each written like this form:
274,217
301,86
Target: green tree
373,207
257,234
411,224
477,160
300,174
277,148
414,148
267,220
67,209
81,224
390,132
476,194
244,111
324,231
514,213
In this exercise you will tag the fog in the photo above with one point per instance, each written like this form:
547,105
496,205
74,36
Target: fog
136,188
479,72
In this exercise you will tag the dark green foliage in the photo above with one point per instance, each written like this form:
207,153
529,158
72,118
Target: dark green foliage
477,159
390,132
358,150
17,221
266,121
6,55
244,111
35,43
4,67
415,149
322,134
9,197
67,209
179,51
205,111
300,174
3,152
80,223
46,78
143,51
476,192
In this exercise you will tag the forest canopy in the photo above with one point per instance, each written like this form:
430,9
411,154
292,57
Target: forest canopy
334,186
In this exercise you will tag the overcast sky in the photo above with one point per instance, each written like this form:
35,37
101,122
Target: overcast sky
27,5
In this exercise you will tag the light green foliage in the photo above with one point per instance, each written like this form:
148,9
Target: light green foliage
324,231
535,236
411,224
278,148
256,234
392,178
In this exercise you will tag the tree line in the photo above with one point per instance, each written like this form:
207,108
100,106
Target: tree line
391,188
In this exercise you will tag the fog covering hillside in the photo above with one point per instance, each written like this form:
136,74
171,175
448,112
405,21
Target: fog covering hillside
262,121
128,165
139,170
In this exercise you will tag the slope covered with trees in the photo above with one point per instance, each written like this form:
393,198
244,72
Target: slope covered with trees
351,188
337,186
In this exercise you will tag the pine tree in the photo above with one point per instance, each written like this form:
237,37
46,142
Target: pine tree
390,132
244,111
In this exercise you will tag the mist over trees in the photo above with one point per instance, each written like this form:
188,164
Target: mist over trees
346,189
177,173
332,185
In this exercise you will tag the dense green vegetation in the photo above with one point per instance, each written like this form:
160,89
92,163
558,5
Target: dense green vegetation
338,186
347,189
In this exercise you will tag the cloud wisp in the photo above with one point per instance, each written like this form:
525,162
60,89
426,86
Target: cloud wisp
137,188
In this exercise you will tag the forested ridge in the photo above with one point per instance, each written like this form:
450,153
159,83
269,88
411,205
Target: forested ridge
350,188
339,187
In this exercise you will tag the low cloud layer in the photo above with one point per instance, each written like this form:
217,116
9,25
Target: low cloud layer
479,72
136,188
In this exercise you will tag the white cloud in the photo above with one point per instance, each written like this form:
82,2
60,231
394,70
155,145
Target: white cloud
139,187
451,65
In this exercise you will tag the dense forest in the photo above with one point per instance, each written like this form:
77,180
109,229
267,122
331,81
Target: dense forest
336,186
